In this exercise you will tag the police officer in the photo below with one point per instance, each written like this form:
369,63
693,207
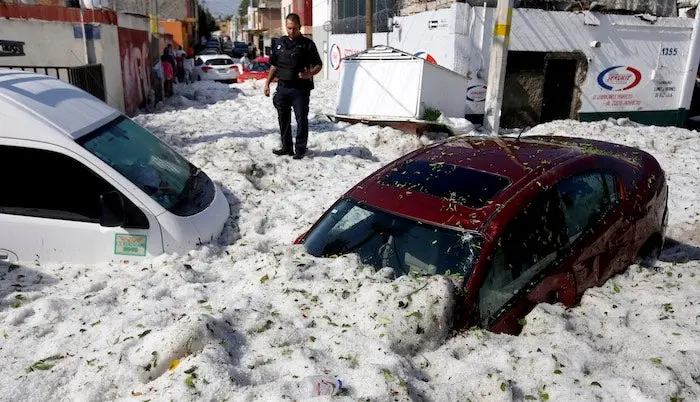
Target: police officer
294,61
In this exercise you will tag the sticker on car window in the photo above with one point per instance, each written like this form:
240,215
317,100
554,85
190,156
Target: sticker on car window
127,244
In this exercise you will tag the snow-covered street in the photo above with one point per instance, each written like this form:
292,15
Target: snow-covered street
249,317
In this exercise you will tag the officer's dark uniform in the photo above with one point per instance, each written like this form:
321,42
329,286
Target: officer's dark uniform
292,56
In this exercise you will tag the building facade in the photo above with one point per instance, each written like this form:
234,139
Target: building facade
264,25
581,65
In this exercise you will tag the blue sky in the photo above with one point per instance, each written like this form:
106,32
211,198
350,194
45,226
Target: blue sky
221,7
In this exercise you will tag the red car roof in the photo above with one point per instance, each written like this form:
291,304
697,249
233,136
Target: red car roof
495,168
261,59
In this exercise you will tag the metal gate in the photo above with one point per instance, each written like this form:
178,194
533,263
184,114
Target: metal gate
89,77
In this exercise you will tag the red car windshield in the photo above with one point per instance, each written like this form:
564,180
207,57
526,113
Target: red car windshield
259,67
382,239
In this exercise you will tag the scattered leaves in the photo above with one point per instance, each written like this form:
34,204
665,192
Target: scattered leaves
264,278
354,363
655,360
503,387
43,364
387,375
154,358
268,325
144,333
596,383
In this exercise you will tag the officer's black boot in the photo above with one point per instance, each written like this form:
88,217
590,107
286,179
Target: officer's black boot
282,152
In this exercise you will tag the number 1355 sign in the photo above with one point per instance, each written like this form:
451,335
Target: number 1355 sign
669,51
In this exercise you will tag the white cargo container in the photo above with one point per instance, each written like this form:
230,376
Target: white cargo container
383,83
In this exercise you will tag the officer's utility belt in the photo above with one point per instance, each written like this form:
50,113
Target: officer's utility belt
298,84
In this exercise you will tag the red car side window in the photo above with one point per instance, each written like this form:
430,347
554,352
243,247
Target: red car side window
528,246
585,199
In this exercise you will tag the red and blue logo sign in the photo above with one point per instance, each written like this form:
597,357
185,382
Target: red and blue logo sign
619,78
425,55
476,93
335,56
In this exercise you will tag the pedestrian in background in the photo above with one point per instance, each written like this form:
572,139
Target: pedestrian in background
294,61
245,61
188,65
179,62
168,76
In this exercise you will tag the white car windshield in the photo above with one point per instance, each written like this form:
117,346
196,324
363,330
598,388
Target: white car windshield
155,168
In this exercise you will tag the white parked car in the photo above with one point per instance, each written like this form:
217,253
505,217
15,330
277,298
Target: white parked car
217,67
84,183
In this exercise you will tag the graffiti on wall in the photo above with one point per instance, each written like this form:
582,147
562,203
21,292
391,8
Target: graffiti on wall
135,56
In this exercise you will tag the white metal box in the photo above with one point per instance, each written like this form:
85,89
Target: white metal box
383,83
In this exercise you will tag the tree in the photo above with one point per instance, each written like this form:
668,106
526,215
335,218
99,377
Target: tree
206,22
243,8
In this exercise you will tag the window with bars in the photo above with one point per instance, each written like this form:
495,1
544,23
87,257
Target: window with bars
349,15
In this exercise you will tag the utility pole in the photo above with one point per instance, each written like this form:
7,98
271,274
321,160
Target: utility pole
691,65
497,65
82,26
235,28
369,22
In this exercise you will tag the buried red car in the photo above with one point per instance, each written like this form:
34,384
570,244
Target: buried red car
539,219
258,70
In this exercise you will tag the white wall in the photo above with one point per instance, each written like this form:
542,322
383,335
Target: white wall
346,45
459,38
45,43
320,12
286,9
625,41
108,55
250,15
430,33
52,44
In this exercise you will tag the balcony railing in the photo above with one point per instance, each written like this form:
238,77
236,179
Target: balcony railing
270,4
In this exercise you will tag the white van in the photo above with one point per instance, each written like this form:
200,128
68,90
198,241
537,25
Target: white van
83,183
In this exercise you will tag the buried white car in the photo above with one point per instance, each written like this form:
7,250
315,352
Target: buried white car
84,183
218,67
